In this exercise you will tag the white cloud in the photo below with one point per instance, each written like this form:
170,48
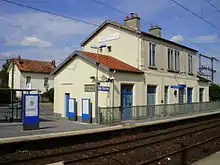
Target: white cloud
205,39
41,24
29,41
44,36
34,41
40,53
177,38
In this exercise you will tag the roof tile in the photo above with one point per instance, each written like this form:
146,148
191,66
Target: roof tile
34,65
111,62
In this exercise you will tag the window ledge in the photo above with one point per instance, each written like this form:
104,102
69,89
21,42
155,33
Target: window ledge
173,71
190,73
152,67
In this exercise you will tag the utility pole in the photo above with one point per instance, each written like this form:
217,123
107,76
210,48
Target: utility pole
97,82
205,68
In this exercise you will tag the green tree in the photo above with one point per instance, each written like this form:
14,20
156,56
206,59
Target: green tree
214,92
4,74
4,95
49,95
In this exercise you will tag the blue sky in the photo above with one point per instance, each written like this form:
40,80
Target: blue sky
42,36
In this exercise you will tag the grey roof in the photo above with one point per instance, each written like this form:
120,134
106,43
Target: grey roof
131,30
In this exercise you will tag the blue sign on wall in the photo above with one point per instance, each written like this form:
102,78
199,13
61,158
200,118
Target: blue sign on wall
104,88
179,86
31,111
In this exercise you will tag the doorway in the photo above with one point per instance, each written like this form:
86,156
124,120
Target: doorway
189,95
127,101
151,95
151,100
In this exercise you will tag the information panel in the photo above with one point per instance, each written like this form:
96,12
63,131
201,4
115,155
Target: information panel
71,105
86,114
31,111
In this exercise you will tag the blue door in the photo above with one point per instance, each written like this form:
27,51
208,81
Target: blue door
67,96
151,100
189,95
126,101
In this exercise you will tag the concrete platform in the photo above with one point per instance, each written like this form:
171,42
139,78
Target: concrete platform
213,159
12,132
50,126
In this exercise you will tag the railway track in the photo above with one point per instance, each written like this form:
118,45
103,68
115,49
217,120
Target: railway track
90,153
153,140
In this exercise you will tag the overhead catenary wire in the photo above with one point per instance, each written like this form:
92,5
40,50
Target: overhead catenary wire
144,21
213,5
195,14
83,21
49,12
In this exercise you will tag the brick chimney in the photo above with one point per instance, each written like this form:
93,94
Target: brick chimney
133,21
20,60
53,63
155,30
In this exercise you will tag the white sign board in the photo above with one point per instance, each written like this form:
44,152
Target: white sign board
71,105
31,105
85,104
109,37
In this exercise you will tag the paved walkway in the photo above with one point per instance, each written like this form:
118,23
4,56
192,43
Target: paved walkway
54,126
213,159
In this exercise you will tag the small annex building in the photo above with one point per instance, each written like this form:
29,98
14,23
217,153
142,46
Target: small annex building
74,80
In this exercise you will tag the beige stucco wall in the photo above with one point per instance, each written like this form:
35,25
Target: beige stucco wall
137,80
37,80
71,79
125,48
161,56
17,77
206,90
167,79
134,49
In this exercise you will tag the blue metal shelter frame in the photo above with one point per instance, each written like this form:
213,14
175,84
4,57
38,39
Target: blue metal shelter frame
31,122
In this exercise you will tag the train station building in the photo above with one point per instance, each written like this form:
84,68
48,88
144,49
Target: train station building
131,68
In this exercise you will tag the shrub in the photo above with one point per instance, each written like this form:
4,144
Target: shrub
48,95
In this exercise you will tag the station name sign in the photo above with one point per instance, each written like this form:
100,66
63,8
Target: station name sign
91,88
109,37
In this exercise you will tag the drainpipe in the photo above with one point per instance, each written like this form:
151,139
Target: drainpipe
113,89
140,64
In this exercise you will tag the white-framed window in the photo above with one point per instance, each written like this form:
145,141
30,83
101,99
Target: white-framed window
170,59
173,60
190,67
177,61
28,80
152,53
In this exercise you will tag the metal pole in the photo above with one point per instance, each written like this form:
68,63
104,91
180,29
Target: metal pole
200,70
212,67
113,93
97,90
